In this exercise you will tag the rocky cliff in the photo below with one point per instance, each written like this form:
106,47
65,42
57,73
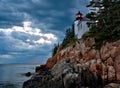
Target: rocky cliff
80,65
105,61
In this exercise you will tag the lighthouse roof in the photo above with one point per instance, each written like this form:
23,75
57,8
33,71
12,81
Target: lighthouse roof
79,13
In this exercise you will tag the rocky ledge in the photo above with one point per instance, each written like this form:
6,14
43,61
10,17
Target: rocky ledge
80,65
65,74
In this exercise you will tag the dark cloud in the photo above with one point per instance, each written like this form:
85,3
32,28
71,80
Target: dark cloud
14,13
50,17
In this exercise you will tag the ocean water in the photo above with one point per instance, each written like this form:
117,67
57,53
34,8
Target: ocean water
12,75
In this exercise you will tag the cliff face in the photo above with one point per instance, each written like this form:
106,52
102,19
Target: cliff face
80,65
104,62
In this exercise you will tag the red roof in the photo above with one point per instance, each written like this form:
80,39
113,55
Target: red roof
79,13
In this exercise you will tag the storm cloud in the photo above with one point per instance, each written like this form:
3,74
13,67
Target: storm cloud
30,28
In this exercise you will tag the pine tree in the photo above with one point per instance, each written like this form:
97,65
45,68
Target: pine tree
54,51
69,37
105,25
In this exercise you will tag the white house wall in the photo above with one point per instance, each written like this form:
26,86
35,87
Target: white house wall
76,28
80,28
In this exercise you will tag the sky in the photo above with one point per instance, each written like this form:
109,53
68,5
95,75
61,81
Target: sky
30,28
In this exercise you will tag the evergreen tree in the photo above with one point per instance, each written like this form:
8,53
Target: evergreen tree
105,26
54,51
69,37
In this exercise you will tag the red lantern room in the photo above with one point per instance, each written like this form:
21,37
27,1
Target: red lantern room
79,16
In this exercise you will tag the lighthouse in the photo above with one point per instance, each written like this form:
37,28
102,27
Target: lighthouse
80,25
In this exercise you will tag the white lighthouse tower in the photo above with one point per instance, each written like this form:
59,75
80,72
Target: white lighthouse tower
80,26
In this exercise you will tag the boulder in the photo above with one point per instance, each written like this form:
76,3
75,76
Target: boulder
28,74
117,67
112,85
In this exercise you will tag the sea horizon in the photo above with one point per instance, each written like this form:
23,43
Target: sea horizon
12,74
